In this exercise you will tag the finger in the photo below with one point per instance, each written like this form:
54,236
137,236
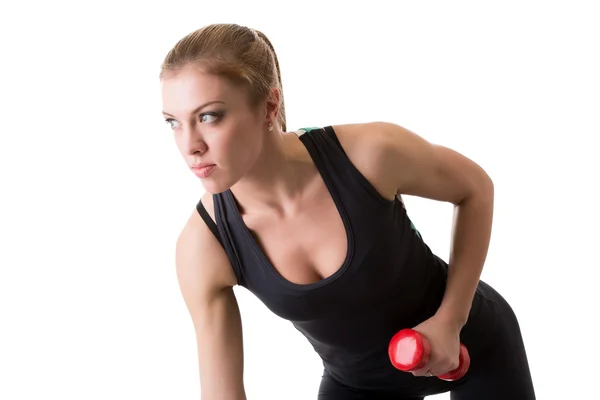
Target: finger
445,367
424,372
439,369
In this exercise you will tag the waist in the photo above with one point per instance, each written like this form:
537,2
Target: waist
355,351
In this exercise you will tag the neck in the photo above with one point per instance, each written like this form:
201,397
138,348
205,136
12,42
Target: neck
277,181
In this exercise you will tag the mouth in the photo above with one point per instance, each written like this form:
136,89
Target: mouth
203,170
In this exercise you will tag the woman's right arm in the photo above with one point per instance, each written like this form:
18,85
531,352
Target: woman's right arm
206,280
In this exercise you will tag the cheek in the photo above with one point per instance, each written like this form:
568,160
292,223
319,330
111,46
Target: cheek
225,147
242,149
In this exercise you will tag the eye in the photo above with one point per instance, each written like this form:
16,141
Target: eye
214,115
205,118
171,122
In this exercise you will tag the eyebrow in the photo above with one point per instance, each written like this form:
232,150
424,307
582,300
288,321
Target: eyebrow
197,109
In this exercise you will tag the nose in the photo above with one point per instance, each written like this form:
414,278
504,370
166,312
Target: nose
192,141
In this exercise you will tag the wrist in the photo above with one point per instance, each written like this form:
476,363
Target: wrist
451,318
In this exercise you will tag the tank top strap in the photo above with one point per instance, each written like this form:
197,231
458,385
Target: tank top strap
208,220
335,166
228,236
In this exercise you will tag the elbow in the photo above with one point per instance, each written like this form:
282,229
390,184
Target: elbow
485,186
488,188
484,194
481,191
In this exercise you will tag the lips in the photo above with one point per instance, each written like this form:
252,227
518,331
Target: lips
203,170
202,165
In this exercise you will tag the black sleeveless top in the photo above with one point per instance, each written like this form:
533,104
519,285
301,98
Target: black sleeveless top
389,280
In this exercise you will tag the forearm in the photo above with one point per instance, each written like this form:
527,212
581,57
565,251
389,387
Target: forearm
470,242
220,349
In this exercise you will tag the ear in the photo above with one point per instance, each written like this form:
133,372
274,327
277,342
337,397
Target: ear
272,106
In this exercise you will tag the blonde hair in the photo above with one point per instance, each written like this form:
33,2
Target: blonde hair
243,55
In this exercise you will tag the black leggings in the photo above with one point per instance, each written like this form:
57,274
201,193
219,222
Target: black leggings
501,375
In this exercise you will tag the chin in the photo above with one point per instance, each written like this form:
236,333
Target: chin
215,186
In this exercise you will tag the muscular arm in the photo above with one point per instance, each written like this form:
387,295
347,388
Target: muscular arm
398,161
206,280
419,168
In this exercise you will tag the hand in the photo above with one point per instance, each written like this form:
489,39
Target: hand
444,339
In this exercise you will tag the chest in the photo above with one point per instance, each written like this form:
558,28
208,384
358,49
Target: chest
306,248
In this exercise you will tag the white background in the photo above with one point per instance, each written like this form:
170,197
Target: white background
94,193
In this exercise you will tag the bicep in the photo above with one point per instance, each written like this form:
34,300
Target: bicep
414,166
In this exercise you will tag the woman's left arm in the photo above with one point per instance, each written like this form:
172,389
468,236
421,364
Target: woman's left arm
416,167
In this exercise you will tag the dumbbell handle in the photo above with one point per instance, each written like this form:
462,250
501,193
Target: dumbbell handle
409,351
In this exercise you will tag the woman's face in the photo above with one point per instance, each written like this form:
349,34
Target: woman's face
213,124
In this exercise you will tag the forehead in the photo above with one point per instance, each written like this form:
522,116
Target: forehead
190,87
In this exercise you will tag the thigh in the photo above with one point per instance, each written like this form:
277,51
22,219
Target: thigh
504,372
330,389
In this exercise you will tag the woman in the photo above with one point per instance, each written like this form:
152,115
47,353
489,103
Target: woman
311,221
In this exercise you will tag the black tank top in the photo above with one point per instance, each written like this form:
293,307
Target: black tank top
390,278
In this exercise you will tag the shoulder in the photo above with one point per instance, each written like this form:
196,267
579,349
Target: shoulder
378,139
200,259
398,161
370,146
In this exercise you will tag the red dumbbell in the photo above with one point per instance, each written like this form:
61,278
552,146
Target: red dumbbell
409,351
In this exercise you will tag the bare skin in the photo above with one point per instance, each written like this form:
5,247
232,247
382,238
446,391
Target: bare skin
286,205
